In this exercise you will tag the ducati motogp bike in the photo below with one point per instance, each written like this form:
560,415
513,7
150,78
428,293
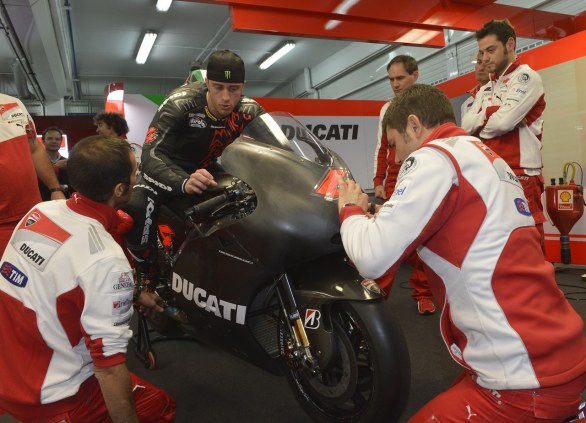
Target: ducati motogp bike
258,269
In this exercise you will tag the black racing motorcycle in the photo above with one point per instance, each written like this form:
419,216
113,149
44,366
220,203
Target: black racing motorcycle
260,271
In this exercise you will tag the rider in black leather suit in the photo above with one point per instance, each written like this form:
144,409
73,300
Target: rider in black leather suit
188,133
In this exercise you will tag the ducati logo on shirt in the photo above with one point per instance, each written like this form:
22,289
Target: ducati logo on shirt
10,112
37,238
32,218
13,275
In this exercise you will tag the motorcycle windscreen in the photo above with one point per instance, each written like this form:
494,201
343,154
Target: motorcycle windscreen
281,130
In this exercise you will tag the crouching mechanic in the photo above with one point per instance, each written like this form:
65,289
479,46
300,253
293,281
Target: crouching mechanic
190,130
66,295
503,318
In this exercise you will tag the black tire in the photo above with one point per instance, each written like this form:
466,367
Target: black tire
369,378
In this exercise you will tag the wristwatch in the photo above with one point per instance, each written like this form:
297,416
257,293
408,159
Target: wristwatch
57,189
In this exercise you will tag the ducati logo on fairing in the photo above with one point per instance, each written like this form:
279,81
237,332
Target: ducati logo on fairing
312,318
208,302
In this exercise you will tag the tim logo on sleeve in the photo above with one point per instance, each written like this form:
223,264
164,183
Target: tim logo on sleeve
522,206
13,275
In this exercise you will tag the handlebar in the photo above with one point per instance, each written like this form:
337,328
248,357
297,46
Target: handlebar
235,193
206,206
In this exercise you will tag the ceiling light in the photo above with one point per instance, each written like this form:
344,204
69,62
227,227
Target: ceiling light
277,55
342,9
145,47
331,24
163,5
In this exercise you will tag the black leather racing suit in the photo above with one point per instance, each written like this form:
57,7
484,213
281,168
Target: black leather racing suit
183,137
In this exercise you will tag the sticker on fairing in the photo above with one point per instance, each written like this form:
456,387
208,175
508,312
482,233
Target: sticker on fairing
371,286
312,318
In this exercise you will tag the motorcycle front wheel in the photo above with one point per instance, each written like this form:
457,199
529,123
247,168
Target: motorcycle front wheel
368,378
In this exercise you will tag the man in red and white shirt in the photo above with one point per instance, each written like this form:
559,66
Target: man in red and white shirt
66,295
403,72
503,317
22,159
481,75
507,113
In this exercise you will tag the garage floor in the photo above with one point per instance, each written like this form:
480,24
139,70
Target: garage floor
212,386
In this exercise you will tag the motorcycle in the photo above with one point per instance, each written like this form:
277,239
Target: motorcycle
260,271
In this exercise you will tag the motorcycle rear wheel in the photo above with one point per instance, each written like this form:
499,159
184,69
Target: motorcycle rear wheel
368,379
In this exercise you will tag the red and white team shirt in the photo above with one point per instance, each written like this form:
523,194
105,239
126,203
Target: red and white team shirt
66,300
385,168
467,105
503,316
20,190
507,115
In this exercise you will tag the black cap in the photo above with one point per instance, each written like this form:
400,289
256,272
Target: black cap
225,66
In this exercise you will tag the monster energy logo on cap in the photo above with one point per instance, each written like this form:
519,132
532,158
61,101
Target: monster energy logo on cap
225,66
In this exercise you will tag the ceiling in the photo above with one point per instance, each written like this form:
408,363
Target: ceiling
106,35
74,48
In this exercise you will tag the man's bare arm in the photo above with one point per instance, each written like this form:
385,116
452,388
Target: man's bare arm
116,387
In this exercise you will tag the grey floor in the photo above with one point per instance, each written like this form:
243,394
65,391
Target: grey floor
211,386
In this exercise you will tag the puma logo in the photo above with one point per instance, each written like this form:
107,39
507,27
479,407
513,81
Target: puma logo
470,413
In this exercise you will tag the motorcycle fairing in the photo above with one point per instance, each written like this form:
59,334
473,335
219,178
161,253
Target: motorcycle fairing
291,224
318,285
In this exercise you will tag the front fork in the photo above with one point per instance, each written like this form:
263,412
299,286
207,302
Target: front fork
301,351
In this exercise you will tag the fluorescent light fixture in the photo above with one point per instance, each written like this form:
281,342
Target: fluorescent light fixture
342,9
145,47
331,24
344,6
277,55
163,5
